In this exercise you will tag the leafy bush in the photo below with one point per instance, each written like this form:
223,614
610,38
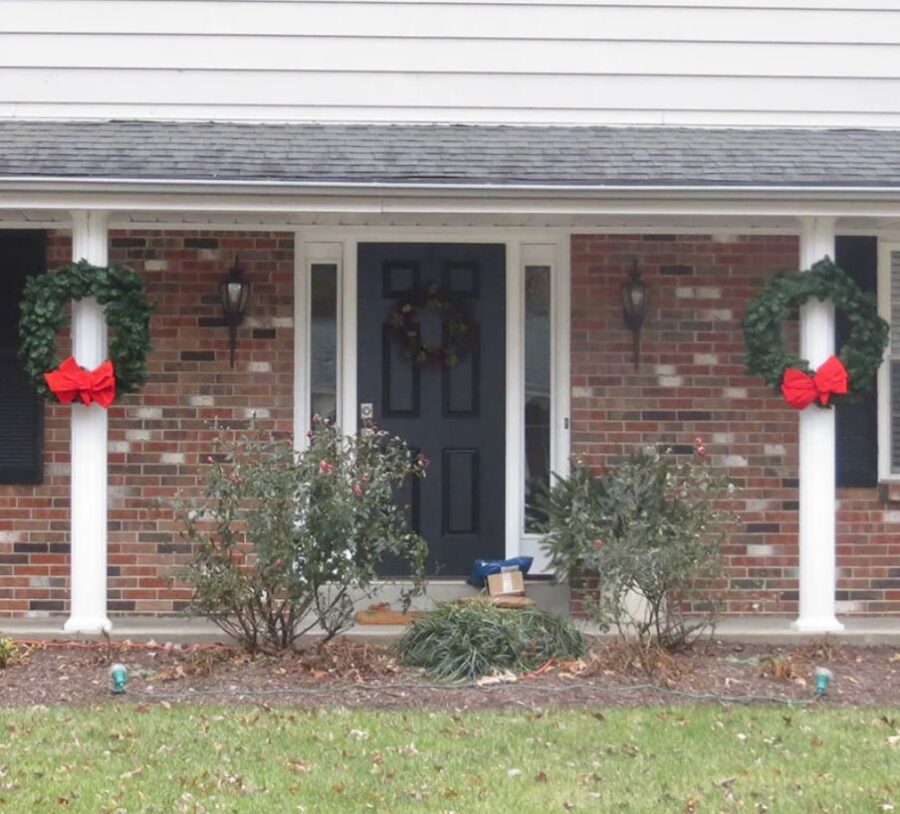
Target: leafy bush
283,539
652,529
8,651
466,640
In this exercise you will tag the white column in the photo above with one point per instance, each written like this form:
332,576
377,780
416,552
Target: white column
89,480
818,504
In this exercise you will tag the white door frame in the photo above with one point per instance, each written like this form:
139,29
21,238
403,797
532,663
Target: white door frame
340,246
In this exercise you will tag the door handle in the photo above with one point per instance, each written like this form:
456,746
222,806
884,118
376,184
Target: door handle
366,410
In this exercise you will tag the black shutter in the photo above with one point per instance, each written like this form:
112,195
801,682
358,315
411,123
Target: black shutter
21,410
857,422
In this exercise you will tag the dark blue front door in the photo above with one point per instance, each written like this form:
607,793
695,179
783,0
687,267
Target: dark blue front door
454,415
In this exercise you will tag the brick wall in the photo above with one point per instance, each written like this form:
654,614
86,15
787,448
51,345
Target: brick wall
34,520
158,438
691,383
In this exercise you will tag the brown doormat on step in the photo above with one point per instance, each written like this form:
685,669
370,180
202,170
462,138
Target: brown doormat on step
381,614
512,601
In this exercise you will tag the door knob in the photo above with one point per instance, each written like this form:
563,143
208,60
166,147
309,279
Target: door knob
366,410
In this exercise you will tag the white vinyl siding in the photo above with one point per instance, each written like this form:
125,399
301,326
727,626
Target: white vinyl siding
693,62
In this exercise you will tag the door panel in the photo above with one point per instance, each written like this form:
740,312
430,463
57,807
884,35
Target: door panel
454,416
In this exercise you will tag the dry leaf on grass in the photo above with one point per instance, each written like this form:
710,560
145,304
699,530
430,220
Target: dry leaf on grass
783,668
299,766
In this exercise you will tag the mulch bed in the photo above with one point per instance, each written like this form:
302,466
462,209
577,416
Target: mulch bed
357,675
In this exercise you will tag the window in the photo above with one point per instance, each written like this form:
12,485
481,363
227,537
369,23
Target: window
889,374
317,316
21,409
537,389
540,366
323,344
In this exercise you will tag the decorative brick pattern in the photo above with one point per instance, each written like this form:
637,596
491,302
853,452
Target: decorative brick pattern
691,382
160,437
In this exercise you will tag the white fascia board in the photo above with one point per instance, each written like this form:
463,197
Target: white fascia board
381,188
294,197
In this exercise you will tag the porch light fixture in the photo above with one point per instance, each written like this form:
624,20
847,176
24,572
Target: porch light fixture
234,290
634,302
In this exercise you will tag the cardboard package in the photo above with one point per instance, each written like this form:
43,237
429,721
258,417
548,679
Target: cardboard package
509,582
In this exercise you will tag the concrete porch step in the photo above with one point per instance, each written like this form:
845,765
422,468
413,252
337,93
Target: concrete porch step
761,630
548,595
189,630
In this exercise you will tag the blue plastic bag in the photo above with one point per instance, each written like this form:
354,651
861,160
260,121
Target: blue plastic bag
484,568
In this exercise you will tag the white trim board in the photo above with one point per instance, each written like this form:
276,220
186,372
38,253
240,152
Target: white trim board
549,247
305,255
885,475
292,201
886,229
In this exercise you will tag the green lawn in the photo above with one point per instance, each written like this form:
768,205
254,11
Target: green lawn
123,758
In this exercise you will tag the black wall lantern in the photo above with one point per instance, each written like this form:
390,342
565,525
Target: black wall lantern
235,291
634,304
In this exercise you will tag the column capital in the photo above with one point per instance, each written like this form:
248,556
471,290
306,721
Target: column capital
823,220
816,239
90,235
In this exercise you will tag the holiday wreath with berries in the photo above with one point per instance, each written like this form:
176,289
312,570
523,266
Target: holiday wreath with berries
456,328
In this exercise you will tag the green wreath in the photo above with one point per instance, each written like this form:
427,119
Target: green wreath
44,312
861,354
455,327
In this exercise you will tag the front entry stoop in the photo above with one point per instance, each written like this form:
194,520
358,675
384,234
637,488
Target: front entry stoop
761,630
546,594
182,629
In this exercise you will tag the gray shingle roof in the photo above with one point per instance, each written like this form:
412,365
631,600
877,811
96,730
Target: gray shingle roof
449,154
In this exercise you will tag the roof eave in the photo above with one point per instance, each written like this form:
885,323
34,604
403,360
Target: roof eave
381,188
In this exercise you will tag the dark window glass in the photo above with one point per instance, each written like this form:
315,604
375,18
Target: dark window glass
537,389
323,340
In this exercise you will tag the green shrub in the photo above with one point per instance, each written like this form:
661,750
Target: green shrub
8,651
652,530
467,640
283,539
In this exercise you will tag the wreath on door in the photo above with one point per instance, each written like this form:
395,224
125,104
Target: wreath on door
44,312
457,330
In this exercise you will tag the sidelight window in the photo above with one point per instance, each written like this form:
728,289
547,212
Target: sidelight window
317,339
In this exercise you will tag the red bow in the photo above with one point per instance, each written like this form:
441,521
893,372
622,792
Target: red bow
801,389
70,381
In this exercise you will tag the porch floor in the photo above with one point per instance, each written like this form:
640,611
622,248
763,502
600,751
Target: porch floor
772,630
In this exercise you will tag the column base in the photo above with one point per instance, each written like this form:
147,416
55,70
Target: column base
87,624
823,624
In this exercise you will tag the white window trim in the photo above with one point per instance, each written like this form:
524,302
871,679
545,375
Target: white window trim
305,256
532,246
884,372
555,256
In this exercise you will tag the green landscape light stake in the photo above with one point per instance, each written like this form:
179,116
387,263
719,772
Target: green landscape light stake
823,678
119,676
